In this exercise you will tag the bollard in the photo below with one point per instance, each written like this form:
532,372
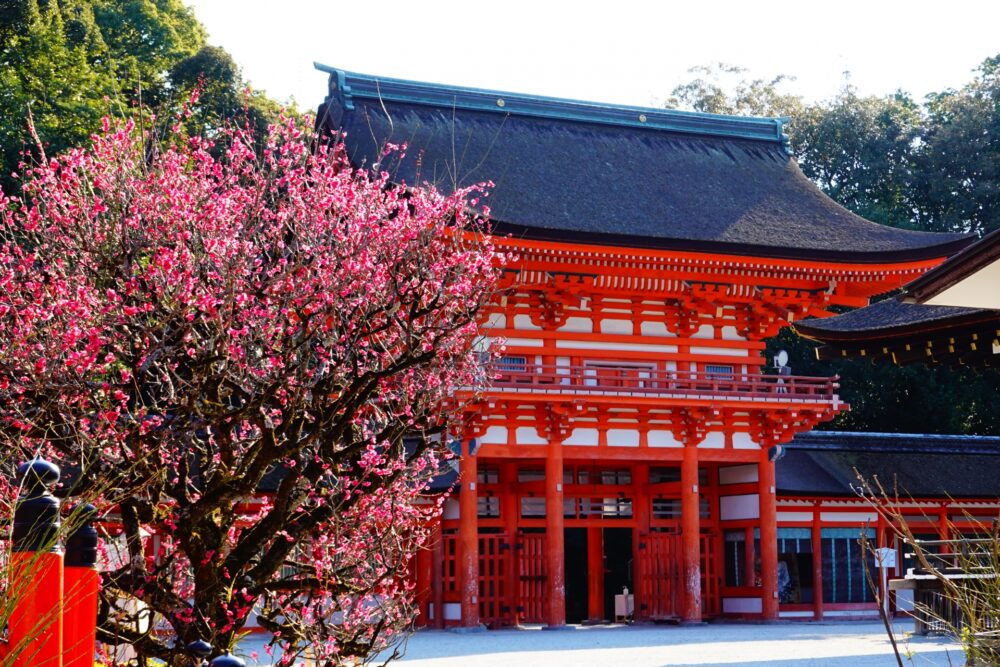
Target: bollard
200,649
35,624
81,586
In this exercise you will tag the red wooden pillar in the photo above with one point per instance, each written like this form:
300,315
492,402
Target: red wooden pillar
944,528
881,541
555,539
691,535
817,547
768,537
423,568
509,512
595,574
468,540
640,511
437,575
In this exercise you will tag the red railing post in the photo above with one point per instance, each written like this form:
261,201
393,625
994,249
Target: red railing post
36,584
82,585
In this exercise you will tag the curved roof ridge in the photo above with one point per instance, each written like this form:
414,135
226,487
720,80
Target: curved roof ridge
348,85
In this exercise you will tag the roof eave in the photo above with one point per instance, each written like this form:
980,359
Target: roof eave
889,257
891,333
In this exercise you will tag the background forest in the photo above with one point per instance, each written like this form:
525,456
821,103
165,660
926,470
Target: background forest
930,164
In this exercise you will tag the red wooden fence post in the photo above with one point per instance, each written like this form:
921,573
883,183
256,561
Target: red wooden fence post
35,624
82,584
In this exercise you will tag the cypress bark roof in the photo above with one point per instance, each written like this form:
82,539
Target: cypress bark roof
628,176
889,318
823,462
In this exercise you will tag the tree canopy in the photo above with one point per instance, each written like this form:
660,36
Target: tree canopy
69,63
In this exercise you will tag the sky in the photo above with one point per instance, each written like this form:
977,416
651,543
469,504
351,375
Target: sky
615,52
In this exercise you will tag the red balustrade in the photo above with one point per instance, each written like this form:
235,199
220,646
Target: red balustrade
639,381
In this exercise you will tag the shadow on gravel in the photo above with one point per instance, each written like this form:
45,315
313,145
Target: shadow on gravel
942,658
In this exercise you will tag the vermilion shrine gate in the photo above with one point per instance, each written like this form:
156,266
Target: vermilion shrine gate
630,434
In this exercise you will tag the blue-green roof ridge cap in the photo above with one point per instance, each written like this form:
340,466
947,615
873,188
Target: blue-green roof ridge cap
346,85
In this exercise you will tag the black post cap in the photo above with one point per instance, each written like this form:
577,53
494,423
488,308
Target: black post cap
81,544
36,513
37,475
199,648
227,660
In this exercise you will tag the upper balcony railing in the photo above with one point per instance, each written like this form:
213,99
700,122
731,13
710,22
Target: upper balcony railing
652,383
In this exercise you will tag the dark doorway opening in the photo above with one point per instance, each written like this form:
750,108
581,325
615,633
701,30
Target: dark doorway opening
617,566
576,574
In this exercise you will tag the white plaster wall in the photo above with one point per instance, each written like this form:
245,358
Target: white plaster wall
655,328
704,331
496,321
720,351
524,342
738,474
745,506
524,322
527,435
578,325
583,436
730,333
713,440
495,435
663,439
795,516
602,345
623,437
849,517
623,327
742,606
743,441
450,510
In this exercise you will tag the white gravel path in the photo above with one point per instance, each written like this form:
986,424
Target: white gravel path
828,644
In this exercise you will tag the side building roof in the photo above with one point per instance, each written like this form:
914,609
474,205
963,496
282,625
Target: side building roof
823,463
566,170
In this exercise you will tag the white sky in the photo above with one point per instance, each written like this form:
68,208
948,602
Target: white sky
620,52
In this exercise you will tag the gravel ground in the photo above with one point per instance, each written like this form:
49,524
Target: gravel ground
828,644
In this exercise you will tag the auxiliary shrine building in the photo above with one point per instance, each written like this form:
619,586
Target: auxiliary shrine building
630,438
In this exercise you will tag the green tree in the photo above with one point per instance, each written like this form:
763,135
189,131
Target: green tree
223,96
69,63
933,166
860,150
958,180
52,69
723,88
146,38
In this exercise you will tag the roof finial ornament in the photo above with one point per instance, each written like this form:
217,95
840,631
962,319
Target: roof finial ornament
786,143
